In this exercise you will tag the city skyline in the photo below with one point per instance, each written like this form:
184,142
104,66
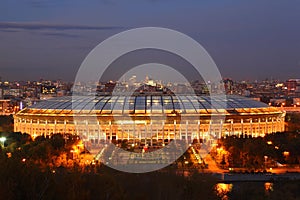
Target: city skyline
247,40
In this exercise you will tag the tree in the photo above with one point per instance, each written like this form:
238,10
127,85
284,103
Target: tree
223,162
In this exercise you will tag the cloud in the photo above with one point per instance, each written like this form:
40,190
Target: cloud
43,3
57,3
60,34
50,33
9,30
48,26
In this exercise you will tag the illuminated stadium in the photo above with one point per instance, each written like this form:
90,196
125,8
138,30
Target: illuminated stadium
151,119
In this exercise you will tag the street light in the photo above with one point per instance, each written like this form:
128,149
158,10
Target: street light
2,140
286,153
266,158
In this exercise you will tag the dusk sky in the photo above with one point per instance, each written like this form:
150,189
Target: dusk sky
247,39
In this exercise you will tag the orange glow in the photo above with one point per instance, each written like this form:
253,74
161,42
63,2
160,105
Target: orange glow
286,153
268,186
223,189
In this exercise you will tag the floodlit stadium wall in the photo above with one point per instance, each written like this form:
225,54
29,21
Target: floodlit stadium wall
104,118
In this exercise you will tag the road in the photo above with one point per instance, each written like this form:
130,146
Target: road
211,164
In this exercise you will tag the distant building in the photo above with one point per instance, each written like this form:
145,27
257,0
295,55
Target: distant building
4,106
296,101
228,86
8,107
293,87
12,92
278,102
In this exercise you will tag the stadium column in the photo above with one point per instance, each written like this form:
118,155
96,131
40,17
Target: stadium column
180,135
65,126
141,131
174,131
110,131
242,128
122,131
75,128
46,127
251,130
133,132
279,124
259,132
38,127
186,130
163,132
99,132
266,126
201,132
198,131
21,125
169,137
151,139
221,128
231,127
272,125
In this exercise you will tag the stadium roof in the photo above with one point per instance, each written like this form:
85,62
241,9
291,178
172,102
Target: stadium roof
142,104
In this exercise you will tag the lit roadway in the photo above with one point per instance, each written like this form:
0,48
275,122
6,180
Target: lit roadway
197,157
282,170
211,164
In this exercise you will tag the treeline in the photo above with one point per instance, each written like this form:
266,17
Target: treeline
27,181
29,170
292,121
259,153
288,190
6,123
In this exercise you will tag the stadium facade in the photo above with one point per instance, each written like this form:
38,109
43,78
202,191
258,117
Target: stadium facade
153,118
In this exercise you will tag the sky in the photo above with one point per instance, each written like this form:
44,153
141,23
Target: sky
248,40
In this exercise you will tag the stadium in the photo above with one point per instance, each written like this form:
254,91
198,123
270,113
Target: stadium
151,119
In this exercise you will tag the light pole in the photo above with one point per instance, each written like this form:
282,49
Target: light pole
2,140
266,158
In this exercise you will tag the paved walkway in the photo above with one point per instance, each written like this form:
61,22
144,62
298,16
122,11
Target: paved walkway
212,165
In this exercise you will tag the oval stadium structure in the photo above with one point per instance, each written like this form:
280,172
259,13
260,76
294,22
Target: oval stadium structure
152,118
